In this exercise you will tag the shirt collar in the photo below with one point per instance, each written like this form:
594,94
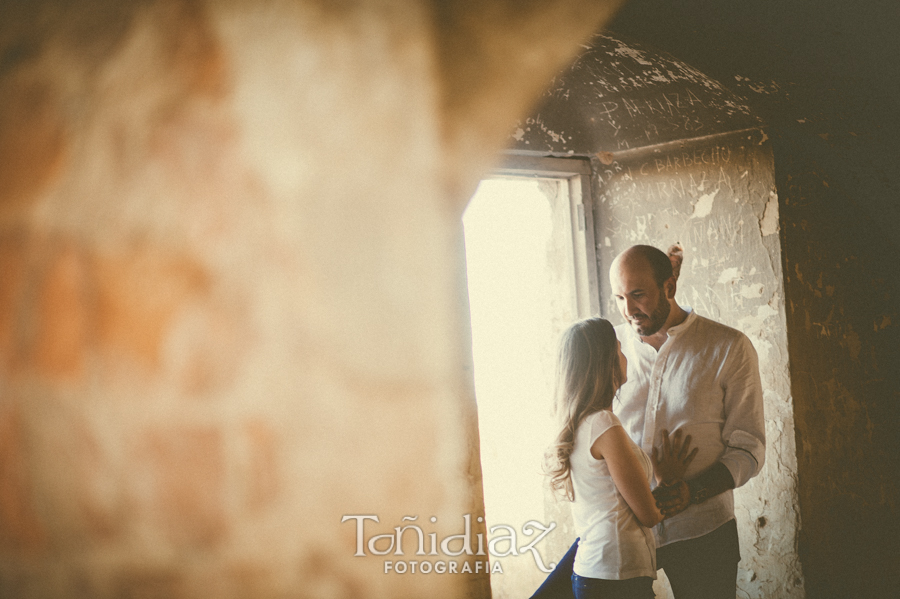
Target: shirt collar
678,328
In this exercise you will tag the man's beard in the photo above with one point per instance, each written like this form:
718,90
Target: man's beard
656,319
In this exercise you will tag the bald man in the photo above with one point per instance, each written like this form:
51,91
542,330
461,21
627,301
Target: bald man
690,374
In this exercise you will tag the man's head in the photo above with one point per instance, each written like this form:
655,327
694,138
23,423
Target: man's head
643,285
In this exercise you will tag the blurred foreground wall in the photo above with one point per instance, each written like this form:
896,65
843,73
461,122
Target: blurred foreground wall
229,308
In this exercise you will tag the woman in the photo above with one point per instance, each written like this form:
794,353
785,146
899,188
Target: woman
603,472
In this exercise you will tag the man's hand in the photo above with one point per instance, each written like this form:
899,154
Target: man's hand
672,498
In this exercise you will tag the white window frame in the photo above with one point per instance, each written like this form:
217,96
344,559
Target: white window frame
577,172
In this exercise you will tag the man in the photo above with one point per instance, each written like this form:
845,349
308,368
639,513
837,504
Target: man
690,374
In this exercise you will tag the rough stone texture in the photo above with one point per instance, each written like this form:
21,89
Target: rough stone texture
229,310
621,95
709,187
845,364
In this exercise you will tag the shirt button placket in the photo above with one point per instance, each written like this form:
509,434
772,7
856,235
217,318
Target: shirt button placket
653,396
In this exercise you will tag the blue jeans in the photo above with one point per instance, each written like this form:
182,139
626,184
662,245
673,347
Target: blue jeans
563,583
558,584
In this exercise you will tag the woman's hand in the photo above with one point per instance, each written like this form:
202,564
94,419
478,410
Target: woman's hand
672,462
672,499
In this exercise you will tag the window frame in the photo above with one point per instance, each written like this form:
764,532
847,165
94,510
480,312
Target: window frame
577,172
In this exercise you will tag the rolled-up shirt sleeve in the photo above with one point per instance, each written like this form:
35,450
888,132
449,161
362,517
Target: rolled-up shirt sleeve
744,430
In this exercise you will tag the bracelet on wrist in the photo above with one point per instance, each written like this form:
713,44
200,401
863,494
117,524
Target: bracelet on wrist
698,493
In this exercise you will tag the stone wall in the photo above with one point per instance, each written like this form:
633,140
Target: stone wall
229,311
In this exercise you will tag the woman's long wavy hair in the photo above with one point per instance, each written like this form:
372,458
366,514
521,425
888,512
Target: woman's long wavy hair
587,380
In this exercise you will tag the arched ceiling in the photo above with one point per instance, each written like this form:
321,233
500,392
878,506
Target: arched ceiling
622,95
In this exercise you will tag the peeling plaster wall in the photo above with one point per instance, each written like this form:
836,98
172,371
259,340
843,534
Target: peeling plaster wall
825,78
619,95
678,158
716,197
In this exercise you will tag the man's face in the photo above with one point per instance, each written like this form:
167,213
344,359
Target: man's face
641,301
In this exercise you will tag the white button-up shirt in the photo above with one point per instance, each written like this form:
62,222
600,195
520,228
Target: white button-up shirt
705,382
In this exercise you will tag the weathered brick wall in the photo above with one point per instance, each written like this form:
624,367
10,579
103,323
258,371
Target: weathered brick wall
229,286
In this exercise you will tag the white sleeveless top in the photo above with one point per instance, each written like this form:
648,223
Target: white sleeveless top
614,545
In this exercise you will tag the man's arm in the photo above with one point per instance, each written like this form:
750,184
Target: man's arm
743,434
675,498
744,429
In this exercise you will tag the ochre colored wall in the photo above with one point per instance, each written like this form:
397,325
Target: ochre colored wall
843,283
229,308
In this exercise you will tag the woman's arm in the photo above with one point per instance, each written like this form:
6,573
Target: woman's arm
628,474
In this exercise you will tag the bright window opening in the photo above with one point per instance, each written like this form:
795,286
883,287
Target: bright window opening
527,252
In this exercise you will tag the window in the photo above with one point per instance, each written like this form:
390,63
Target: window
531,272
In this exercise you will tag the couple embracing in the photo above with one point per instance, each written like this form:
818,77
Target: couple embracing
660,418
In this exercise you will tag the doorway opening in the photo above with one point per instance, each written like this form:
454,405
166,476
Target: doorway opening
531,272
